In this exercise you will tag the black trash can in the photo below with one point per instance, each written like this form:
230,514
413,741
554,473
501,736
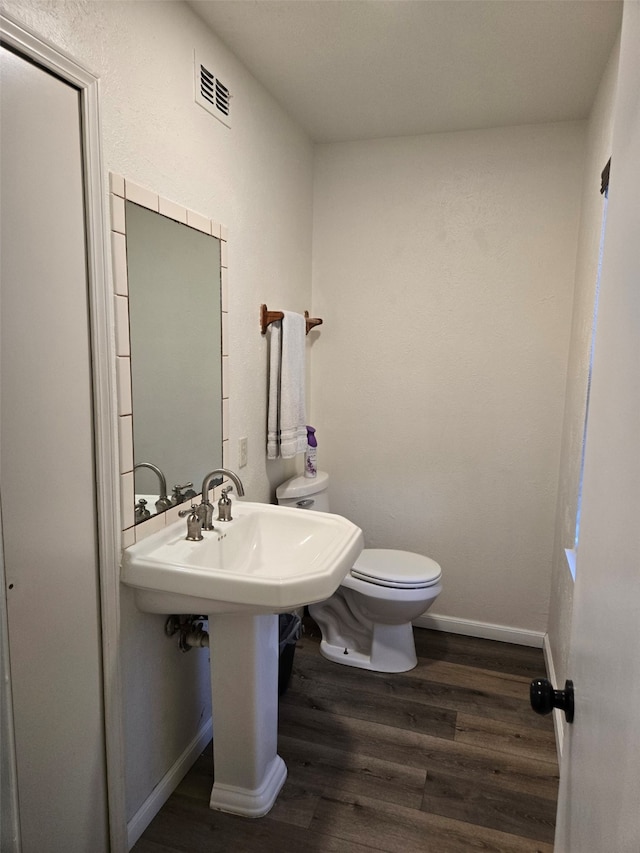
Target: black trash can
289,633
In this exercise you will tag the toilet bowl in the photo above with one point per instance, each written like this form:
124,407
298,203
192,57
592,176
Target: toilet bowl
366,623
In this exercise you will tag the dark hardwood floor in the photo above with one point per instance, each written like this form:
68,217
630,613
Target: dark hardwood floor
446,758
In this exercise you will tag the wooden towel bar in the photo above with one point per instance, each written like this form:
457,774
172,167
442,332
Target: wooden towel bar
267,317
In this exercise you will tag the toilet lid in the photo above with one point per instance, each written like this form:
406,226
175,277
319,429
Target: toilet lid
396,569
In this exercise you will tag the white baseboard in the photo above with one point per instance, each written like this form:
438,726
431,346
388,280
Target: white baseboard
169,782
487,631
558,722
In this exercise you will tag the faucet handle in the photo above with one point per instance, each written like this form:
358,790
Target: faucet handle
184,512
194,524
224,506
141,512
177,497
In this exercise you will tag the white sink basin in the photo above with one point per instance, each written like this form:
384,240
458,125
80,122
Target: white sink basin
269,559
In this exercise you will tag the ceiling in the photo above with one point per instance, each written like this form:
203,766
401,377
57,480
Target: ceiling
362,69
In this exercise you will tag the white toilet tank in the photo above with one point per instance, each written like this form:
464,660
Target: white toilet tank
305,492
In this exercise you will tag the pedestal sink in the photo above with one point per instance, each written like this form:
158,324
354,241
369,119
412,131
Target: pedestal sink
268,560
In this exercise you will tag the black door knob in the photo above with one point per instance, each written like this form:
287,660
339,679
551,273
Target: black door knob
544,698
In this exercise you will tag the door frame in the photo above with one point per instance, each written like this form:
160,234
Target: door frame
101,321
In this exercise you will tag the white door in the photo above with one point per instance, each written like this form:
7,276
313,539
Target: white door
47,468
599,801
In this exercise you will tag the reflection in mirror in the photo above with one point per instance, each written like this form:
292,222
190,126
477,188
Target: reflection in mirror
175,333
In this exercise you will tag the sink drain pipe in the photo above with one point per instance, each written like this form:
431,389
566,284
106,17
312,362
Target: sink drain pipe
192,634
196,639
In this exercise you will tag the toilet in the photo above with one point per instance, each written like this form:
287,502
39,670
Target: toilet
366,623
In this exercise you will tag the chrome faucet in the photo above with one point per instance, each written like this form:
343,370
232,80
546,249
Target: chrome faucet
205,510
163,501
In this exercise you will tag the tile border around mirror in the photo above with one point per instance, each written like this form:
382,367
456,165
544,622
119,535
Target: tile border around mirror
121,190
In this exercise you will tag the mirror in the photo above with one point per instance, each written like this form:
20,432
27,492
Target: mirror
176,353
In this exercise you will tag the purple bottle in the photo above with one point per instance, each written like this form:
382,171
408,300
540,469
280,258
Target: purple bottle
310,469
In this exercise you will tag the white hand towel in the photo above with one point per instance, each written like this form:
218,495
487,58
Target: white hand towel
286,420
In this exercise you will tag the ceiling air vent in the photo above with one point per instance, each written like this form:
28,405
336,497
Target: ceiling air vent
211,93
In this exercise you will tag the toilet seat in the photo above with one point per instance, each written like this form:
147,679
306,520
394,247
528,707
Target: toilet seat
396,569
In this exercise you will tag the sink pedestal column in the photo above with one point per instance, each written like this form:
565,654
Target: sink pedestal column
247,770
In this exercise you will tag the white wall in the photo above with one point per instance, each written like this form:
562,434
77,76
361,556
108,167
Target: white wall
598,151
255,178
443,268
